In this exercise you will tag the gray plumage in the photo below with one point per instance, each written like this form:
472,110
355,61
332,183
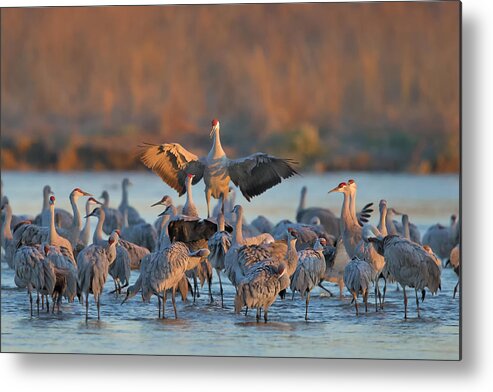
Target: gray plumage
162,271
327,218
219,245
85,233
93,265
309,272
65,272
142,234
409,264
262,224
7,239
259,288
32,271
440,238
357,278
120,269
395,228
189,208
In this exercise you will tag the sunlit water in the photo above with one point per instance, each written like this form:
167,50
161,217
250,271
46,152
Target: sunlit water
206,329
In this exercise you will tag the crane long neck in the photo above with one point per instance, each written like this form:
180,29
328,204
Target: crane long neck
46,203
405,229
86,231
238,233
164,240
216,150
352,205
52,233
124,196
77,221
302,204
391,229
382,225
189,201
125,216
346,217
220,222
98,232
6,231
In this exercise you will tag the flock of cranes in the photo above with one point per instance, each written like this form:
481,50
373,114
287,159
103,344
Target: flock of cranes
53,256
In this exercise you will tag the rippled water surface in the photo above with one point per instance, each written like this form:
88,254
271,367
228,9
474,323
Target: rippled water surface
206,329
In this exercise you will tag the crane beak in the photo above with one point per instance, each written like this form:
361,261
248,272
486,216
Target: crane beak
85,193
336,189
156,203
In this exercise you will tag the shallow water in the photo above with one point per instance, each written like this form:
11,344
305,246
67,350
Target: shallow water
206,329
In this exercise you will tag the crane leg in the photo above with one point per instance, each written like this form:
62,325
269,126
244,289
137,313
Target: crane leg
246,311
341,288
265,315
306,305
417,301
98,304
258,314
174,302
405,301
355,297
47,305
220,287
209,282
37,301
31,301
87,306
208,194
384,290
455,288
42,303
159,306
376,297
326,289
365,299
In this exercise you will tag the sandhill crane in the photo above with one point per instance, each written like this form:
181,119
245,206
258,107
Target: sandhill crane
309,272
307,233
63,218
162,271
409,264
85,234
142,234
133,215
327,218
395,228
93,264
189,207
135,252
253,174
440,238
73,231
65,275
113,217
231,263
351,230
219,245
120,269
229,203
358,275
32,271
7,236
455,263
259,288
167,202
33,234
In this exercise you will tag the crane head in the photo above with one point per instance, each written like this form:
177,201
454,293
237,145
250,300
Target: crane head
47,190
52,200
92,200
94,212
80,192
126,182
165,201
214,127
339,188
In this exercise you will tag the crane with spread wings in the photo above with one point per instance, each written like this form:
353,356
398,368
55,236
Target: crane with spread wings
253,174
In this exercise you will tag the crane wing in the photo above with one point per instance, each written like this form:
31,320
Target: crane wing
258,172
172,163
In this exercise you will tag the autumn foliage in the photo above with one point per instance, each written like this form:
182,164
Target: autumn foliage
366,86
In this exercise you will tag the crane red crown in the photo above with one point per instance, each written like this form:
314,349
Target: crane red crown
342,184
350,182
215,122
52,198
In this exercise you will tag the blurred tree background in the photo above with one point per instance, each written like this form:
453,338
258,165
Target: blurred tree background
361,86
